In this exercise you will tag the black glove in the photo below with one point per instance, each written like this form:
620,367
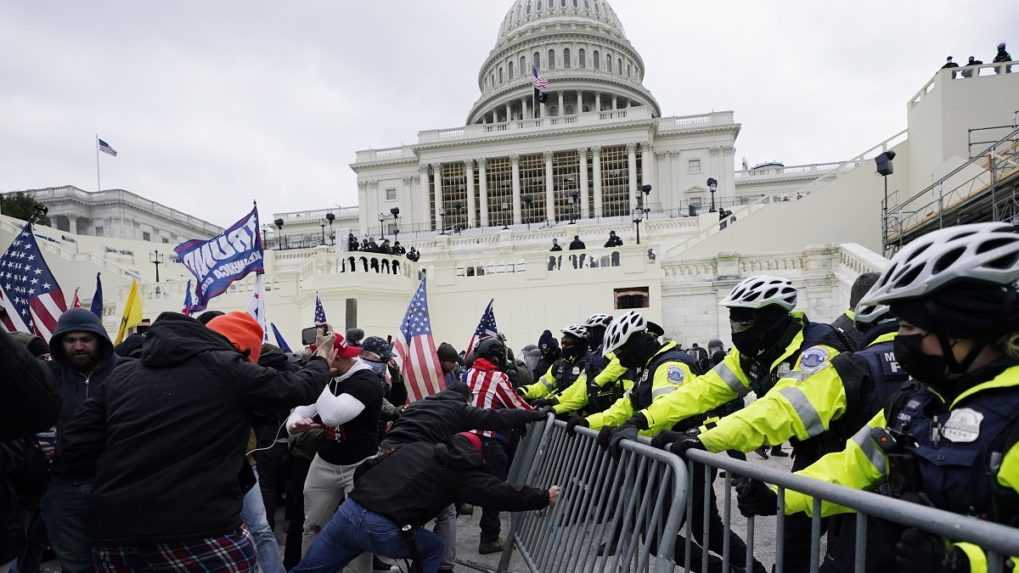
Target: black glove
537,415
545,410
921,552
543,402
686,442
605,436
625,432
664,439
755,498
571,426
638,421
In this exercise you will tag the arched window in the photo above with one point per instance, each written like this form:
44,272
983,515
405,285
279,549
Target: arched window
537,61
500,74
619,66
597,62
551,59
562,4
583,58
574,3
509,69
523,65
566,58
608,63
539,5
629,70
528,8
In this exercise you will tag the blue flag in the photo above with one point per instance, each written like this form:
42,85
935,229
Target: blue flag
223,259
187,300
280,341
320,312
97,299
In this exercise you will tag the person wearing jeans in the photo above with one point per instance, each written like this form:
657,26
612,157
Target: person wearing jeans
65,508
254,517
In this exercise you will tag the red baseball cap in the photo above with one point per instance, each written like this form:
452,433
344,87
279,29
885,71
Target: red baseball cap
343,349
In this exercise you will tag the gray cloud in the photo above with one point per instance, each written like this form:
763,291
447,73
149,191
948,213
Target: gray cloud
215,104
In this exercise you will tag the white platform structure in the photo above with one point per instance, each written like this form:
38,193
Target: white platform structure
483,201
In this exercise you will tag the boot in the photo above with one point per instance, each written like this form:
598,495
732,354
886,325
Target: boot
491,546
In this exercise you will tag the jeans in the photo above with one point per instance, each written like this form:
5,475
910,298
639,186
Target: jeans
445,528
253,516
65,508
354,530
324,489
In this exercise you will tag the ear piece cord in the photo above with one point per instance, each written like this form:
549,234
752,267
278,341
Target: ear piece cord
270,446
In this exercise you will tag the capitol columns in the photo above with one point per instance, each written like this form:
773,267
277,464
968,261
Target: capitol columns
648,166
422,196
631,163
582,188
515,161
596,159
483,184
562,105
440,222
550,214
469,172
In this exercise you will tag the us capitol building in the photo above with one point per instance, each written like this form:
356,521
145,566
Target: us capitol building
483,201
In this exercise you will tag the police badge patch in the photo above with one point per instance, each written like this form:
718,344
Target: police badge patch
675,374
813,360
963,426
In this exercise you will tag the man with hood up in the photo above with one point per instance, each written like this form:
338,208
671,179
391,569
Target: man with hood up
82,359
165,439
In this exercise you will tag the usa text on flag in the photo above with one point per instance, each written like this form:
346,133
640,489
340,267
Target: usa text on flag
485,328
106,148
28,290
420,363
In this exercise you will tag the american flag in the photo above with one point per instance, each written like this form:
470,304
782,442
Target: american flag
256,308
539,83
75,301
187,300
106,148
492,389
320,312
485,328
28,290
420,363
280,341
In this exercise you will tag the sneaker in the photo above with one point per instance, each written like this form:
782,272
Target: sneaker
486,547
380,565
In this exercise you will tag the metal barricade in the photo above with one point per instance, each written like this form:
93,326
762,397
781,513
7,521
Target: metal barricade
997,541
614,514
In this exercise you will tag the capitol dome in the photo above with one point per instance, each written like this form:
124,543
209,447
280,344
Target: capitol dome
581,49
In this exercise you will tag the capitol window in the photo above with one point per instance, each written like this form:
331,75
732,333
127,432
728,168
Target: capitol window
523,65
390,194
500,75
537,61
608,63
146,236
619,66
597,62
583,58
693,166
629,70
551,59
509,66
566,58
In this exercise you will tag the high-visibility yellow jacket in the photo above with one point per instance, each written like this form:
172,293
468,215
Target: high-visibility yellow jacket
664,374
970,429
810,349
561,374
575,397
804,406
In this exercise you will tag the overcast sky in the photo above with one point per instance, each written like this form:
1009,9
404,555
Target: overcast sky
213,104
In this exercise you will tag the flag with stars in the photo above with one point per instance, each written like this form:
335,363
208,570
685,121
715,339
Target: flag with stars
420,362
256,307
485,329
29,292
320,312
188,302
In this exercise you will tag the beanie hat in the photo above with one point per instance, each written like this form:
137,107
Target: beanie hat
547,341
242,330
473,439
447,353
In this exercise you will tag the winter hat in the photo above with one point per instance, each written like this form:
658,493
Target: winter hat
547,341
473,439
242,330
346,348
447,353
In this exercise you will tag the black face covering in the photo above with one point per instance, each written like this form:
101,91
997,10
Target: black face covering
931,370
637,351
577,349
755,331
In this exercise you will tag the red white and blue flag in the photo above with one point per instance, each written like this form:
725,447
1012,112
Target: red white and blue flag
29,292
107,148
320,312
491,389
417,349
256,308
187,300
486,328
539,83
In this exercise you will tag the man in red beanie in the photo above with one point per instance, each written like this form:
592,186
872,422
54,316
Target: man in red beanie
165,440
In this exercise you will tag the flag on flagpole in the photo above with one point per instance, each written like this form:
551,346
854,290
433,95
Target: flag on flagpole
187,300
107,148
280,341
29,292
320,312
485,329
76,302
96,306
256,307
132,313
540,87
417,349
223,259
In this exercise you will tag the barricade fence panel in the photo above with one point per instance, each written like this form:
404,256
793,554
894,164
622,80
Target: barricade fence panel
615,513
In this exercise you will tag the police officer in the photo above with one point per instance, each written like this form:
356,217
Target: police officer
563,372
603,382
954,432
821,411
774,347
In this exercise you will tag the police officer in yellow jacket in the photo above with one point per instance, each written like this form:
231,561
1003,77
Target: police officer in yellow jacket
951,439
774,347
603,382
563,372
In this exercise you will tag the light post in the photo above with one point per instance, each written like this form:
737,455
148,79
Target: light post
641,213
157,259
322,225
266,239
382,228
712,186
885,168
332,234
395,211
505,216
281,240
527,206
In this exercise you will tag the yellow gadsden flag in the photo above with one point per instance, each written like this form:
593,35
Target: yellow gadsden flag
132,313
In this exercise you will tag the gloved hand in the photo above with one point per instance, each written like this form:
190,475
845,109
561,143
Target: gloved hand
571,426
625,432
605,436
922,552
686,442
541,403
638,421
537,415
545,410
755,498
664,439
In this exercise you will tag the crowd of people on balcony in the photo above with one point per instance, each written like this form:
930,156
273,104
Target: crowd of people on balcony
369,245
576,244
1000,56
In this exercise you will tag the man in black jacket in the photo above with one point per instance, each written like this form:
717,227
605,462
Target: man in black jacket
83,359
396,497
165,438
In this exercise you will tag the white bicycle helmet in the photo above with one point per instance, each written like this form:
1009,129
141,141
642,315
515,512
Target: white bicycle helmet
986,252
871,313
602,320
622,329
761,291
577,330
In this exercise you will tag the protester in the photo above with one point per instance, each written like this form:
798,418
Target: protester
555,245
413,255
549,347
614,240
1002,55
398,248
576,244
972,62
165,439
83,359
449,361
352,244
949,63
349,410
394,499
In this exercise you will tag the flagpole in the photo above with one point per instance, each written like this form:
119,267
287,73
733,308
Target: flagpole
99,180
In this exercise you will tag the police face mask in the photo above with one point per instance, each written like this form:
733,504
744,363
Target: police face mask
573,347
754,331
637,351
942,373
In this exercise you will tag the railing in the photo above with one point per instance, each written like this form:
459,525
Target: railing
373,263
778,171
693,121
483,129
67,248
613,514
581,260
388,154
963,73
